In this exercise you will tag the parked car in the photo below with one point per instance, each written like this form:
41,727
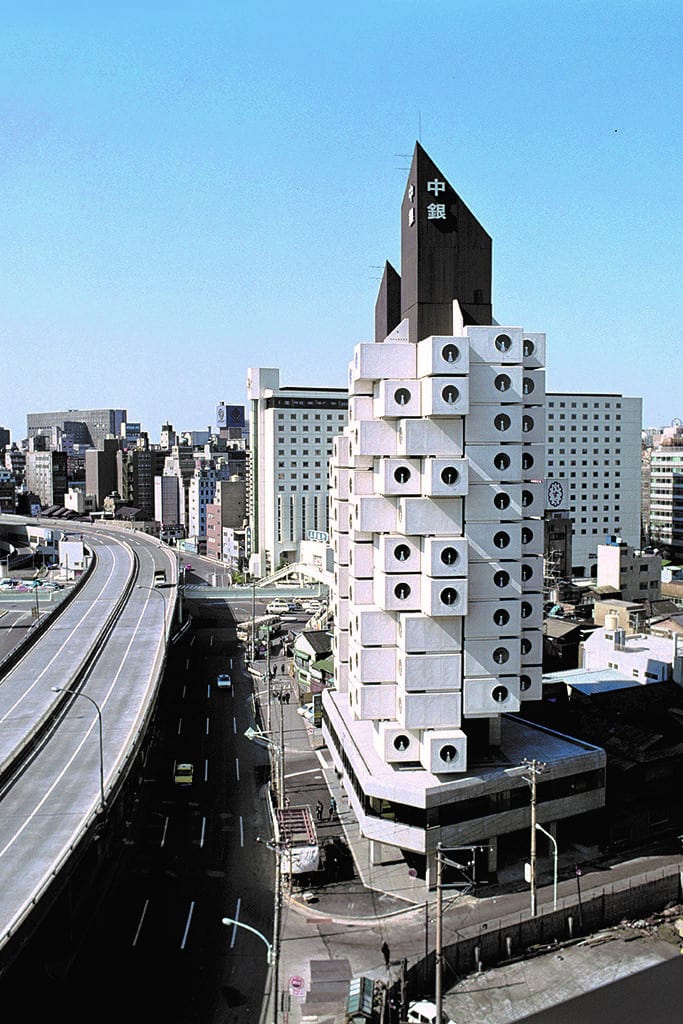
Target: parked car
306,711
424,1012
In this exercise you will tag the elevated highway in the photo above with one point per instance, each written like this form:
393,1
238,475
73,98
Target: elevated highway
108,645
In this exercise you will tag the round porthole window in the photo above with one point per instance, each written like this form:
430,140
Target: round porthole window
402,396
527,573
501,501
449,596
503,343
501,655
527,535
401,552
501,616
501,460
500,694
524,683
527,498
527,460
402,475
501,578
449,556
450,476
526,645
525,609
501,539
450,394
401,743
450,353
502,382
502,422
448,753
527,424
528,385
402,591
528,348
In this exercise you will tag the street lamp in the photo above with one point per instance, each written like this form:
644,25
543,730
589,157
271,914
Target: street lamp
239,924
79,693
153,590
554,842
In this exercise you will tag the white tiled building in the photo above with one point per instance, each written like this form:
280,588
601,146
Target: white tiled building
593,457
290,435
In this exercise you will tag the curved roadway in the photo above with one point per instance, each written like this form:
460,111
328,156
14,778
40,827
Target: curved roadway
109,643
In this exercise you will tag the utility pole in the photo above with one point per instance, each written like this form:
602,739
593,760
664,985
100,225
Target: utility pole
253,620
438,949
535,768
267,632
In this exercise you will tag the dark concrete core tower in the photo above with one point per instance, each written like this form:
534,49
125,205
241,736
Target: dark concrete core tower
445,255
388,305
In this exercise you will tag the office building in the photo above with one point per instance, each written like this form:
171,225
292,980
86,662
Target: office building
437,503
46,476
666,493
290,438
593,469
86,427
632,574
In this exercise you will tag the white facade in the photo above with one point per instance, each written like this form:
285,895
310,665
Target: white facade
291,434
666,494
647,659
636,574
436,498
593,456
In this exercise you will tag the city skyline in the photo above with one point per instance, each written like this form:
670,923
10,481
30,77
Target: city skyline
183,188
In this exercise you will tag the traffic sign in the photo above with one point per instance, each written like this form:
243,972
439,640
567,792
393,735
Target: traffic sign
297,986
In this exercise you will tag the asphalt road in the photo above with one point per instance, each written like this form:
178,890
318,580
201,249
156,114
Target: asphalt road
153,946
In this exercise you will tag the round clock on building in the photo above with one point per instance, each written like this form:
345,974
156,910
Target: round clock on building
555,493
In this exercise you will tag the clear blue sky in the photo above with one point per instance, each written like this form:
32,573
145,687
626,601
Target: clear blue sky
189,190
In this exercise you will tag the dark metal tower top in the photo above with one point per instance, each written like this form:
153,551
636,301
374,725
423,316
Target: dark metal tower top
445,255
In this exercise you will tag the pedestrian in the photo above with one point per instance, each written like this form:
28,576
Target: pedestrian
287,695
333,808
283,668
386,953
319,810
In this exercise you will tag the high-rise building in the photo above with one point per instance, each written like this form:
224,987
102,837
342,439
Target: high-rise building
86,427
593,462
666,492
290,433
46,476
437,503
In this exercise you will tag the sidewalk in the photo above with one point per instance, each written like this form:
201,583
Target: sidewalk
365,914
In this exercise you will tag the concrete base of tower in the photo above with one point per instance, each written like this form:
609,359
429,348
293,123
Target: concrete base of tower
407,811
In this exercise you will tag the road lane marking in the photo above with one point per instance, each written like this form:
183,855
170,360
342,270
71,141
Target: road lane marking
140,923
201,841
234,724
241,831
237,768
187,925
180,725
207,725
165,830
235,920
206,769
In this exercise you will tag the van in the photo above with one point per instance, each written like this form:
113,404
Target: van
277,606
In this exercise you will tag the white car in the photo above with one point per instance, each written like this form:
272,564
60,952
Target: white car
306,711
224,680
424,1012
277,606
